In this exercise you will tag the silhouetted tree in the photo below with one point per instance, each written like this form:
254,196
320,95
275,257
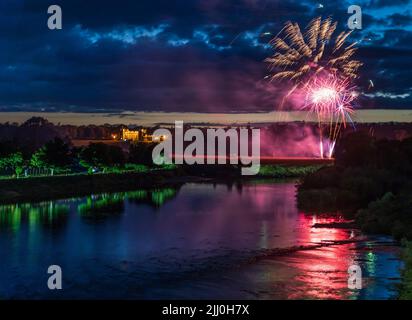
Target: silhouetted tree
141,153
101,156
11,158
54,155
356,149
13,161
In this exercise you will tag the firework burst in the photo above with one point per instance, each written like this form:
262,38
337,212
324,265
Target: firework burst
323,67
331,100
300,56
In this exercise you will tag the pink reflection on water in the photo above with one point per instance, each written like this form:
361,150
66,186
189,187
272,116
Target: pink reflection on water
323,272
248,219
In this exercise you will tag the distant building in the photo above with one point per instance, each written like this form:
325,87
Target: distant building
145,137
140,136
132,135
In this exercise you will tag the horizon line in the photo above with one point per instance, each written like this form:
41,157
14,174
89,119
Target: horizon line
224,118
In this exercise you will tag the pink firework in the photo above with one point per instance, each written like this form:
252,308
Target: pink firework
331,99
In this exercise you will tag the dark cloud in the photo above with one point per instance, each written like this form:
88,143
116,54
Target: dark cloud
183,55
388,3
400,19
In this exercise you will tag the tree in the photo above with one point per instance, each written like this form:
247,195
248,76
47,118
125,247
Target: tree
141,153
35,133
54,155
7,148
11,157
101,156
14,161
356,149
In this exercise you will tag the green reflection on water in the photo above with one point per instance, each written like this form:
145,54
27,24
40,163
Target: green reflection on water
155,198
113,203
50,213
137,195
159,197
371,260
102,205
44,213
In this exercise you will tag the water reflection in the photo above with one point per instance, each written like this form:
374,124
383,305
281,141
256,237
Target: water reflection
45,214
155,198
197,241
102,205
54,213
110,204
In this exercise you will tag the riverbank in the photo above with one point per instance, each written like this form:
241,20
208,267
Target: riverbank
55,187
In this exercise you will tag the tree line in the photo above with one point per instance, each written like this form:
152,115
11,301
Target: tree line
59,157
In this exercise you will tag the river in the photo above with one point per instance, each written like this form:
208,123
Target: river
200,241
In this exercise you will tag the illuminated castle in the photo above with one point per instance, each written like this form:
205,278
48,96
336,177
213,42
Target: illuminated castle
140,135
132,135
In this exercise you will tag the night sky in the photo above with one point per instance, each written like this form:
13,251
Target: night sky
182,55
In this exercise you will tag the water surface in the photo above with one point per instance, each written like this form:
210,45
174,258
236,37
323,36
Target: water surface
198,241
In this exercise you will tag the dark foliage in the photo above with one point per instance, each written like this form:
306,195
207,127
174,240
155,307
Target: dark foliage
102,156
371,177
141,153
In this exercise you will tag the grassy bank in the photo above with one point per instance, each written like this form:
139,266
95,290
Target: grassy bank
55,187
282,172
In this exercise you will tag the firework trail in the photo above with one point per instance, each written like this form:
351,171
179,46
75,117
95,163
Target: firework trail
322,66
